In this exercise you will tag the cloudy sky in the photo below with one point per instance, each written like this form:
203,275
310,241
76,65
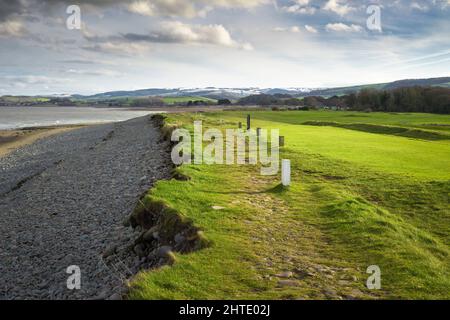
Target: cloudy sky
127,45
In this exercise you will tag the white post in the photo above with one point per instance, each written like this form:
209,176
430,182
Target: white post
286,172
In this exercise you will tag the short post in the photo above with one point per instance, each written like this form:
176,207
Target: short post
248,122
281,142
258,132
286,172
240,125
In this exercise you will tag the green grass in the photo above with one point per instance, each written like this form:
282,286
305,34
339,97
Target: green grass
383,129
185,99
357,199
409,120
23,99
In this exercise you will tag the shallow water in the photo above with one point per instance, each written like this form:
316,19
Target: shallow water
22,117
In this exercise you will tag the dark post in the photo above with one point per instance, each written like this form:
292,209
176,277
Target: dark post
240,125
258,132
281,141
248,122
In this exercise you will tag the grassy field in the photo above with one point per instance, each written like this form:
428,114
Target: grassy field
361,196
23,99
185,99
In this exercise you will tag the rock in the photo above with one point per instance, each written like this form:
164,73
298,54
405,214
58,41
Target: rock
164,251
102,296
288,283
179,238
150,234
126,222
139,250
115,296
301,274
286,274
217,208
92,190
357,293
109,251
330,293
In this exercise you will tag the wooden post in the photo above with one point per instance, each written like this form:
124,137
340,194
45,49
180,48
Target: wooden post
240,125
281,143
286,172
258,132
248,122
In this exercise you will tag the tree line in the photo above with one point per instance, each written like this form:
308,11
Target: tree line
412,99
409,99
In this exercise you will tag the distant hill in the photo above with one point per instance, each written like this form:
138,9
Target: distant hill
437,82
433,82
237,93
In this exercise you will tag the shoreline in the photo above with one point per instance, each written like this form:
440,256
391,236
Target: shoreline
56,193
13,139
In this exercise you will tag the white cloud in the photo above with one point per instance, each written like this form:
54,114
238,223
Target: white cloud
33,79
299,7
12,28
338,6
420,7
311,29
293,29
342,27
166,8
178,32
101,72
188,9
120,48
184,33
170,32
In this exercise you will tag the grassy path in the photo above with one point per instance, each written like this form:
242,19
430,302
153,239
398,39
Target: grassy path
357,199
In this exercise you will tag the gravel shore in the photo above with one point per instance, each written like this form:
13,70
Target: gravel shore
11,140
63,201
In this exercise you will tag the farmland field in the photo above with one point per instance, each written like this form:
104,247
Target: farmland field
367,189
185,99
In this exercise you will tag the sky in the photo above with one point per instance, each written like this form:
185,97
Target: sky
137,44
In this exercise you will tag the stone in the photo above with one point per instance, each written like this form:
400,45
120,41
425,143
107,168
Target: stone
139,250
149,235
102,296
126,222
179,238
164,251
109,251
217,208
115,296
330,293
286,274
93,188
288,283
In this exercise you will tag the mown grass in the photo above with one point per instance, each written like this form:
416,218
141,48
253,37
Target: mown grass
357,199
383,129
431,122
